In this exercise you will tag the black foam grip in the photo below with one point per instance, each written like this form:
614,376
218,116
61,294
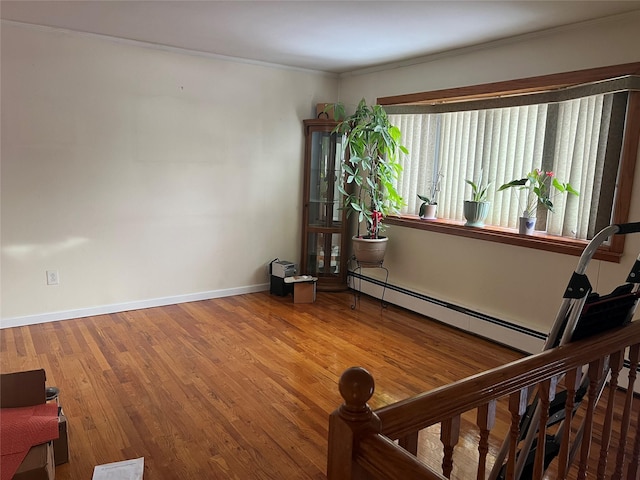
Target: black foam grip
628,228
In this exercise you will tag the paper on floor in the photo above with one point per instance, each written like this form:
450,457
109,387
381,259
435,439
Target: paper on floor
126,470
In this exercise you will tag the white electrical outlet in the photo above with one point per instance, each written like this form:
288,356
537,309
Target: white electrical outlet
52,277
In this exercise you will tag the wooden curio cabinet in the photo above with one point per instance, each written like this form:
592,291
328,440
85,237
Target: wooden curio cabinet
325,233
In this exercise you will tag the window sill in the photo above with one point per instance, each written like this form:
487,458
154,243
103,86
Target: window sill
538,240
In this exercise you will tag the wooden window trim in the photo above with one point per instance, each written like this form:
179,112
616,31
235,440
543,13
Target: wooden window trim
513,87
539,240
628,158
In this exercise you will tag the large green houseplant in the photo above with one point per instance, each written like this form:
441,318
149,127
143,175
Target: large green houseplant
371,168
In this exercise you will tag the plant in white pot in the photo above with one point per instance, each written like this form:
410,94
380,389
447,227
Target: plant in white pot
477,209
372,167
427,210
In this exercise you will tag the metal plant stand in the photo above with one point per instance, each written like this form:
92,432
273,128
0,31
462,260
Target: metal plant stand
357,271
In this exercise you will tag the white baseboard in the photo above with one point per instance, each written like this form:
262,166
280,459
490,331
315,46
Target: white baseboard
493,329
123,307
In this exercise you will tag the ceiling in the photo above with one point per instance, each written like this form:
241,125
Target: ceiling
330,36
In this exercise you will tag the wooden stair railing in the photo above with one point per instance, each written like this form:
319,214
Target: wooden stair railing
362,443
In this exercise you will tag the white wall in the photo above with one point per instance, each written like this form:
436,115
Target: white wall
145,176
516,284
142,174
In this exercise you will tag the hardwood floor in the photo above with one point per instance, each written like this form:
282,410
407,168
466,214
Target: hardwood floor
232,388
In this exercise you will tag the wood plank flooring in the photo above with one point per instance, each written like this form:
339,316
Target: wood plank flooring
232,388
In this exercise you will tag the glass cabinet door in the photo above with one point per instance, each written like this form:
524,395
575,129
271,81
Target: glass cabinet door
324,254
325,173
324,221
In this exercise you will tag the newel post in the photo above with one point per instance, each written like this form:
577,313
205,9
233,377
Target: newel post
349,422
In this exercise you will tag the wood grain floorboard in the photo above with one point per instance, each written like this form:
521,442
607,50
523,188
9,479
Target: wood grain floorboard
232,388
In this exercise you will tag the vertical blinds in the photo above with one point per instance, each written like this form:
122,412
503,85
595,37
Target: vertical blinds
569,138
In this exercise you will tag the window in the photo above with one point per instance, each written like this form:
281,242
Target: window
569,138
577,130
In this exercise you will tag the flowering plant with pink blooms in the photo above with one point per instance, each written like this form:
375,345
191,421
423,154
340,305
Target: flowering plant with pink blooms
536,189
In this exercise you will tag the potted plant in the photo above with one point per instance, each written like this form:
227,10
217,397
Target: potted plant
477,209
429,204
535,190
371,166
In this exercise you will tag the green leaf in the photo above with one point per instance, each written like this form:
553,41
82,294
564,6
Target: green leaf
571,190
558,185
514,183
373,144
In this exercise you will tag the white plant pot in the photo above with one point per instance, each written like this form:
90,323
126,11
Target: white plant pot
526,225
429,212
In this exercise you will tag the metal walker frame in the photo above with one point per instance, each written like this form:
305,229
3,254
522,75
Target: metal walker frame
582,313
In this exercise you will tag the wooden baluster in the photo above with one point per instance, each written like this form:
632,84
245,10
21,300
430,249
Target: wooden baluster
517,406
595,374
633,473
626,414
616,362
572,382
449,435
486,420
349,422
410,443
546,393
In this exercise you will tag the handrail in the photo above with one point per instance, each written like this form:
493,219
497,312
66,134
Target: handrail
421,411
361,441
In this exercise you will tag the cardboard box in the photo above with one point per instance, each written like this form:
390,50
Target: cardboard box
61,444
304,292
22,389
38,464
329,114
